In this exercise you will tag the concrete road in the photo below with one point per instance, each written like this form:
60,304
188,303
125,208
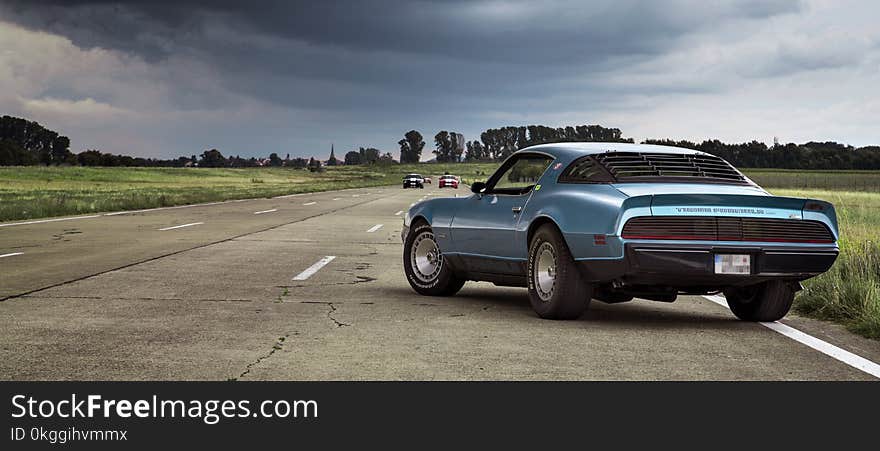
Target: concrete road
207,293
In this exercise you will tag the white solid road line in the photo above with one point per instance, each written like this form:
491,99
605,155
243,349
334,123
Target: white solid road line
310,203
265,211
181,226
311,270
12,254
374,228
49,220
853,360
398,213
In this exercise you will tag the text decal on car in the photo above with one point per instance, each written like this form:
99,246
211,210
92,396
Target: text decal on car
747,211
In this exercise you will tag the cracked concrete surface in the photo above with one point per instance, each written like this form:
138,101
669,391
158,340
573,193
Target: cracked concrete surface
276,347
122,301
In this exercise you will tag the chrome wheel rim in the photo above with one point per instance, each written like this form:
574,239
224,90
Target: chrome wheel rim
425,256
545,271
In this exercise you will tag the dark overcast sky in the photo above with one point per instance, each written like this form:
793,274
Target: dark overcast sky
167,78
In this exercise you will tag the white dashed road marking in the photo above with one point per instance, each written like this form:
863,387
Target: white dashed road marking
181,226
310,203
12,254
374,228
265,211
853,360
337,198
398,213
311,270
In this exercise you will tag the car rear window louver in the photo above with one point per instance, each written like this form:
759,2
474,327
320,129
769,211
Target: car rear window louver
643,166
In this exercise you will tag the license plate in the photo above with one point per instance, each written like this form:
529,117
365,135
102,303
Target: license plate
733,264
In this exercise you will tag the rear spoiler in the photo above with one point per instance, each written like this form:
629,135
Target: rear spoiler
739,205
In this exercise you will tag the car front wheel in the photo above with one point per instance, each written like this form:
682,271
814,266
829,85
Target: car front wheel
768,301
556,288
423,264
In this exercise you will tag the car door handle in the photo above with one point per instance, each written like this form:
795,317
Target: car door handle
516,209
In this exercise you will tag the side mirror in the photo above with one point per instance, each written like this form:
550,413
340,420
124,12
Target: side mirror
478,187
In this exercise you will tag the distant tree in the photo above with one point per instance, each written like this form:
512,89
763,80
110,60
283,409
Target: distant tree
475,152
22,137
499,143
90,158
12,154
212,159
448,146
411,147
274,159
299,163
353,157
442,146
315,165
369,155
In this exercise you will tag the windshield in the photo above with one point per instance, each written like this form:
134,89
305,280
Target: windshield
413,176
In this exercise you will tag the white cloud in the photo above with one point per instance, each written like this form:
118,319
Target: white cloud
734,71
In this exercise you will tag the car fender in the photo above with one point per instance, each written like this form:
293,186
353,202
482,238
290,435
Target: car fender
582,213
439,214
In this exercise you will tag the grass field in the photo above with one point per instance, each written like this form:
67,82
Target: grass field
849,293
37,192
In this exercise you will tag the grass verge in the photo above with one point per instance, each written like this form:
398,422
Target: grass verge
849,293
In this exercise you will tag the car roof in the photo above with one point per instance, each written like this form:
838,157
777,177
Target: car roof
571,151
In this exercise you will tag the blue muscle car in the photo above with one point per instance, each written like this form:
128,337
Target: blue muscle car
610,221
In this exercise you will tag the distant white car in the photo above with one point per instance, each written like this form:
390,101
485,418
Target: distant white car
413,181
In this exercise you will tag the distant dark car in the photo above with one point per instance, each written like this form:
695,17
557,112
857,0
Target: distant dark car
448,181
413,181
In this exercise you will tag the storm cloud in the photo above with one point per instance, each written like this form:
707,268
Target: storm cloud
166,78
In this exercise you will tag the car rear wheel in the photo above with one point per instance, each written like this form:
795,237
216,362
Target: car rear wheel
424,266
768,301
556,288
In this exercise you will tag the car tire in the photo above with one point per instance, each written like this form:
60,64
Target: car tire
423,264
765,302
561,293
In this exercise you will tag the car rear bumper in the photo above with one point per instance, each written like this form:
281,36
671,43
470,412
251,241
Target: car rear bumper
684,265
411,184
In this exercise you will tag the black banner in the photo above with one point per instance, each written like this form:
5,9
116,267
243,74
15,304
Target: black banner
116,415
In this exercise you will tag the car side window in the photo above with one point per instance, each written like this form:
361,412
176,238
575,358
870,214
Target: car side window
585,170
521,176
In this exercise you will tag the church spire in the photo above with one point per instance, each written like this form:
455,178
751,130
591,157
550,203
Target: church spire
332,156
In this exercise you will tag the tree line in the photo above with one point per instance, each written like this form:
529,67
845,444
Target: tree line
24,142
810,155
